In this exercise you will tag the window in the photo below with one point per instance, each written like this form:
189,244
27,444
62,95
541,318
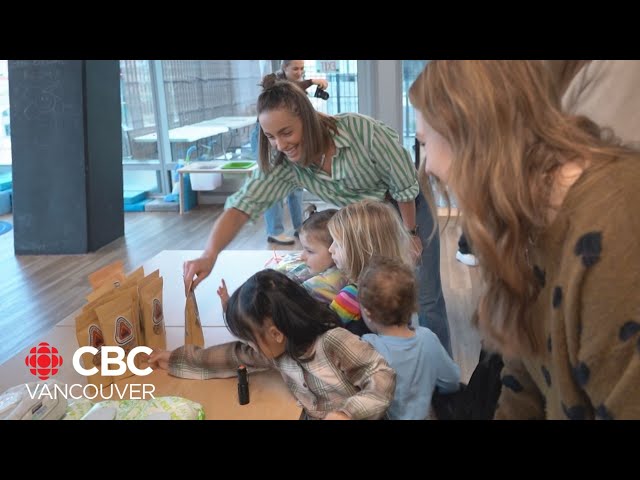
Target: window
205,108
5,124
410,71
342,76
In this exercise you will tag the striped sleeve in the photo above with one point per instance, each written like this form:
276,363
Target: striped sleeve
346,304
394,164
262,190
220,361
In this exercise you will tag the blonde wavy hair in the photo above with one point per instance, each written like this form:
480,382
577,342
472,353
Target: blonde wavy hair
366,229
509,138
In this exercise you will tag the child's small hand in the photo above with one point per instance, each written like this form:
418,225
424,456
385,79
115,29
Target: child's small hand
159,359
336,416
223,293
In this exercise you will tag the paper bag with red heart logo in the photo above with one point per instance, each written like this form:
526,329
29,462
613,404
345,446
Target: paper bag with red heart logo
118,319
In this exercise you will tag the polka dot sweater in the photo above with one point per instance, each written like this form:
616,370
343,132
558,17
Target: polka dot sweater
588,266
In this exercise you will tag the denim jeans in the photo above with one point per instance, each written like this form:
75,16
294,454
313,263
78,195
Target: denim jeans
273,215
433,310
254,140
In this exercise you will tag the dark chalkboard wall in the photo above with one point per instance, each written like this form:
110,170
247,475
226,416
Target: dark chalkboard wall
66,155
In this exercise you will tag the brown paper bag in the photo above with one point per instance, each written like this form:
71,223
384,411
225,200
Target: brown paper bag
117,319
136,275
193,328
107,297
107,286
98,277
89,333
140,284
148,279
116,293
152,315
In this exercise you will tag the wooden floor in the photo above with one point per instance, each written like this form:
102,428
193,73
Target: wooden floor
37,292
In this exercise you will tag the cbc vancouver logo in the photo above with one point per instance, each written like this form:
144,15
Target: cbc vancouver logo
44,362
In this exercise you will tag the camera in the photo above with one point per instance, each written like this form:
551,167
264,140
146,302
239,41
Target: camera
320,93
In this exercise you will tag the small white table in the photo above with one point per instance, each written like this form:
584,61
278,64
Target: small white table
208,167
207,128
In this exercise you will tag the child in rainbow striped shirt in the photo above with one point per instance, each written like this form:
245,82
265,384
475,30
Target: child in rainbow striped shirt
322,279
361,231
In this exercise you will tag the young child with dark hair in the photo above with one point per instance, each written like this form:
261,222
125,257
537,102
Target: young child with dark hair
388,298
330,371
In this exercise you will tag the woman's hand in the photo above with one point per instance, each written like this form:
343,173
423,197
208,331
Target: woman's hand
321,83
200,268
159,359
223,293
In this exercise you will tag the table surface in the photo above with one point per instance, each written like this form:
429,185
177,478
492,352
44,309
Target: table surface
186,133
270,397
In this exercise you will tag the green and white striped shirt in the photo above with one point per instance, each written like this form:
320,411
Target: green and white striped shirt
369,161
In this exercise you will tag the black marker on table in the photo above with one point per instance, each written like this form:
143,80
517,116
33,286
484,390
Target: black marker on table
243,385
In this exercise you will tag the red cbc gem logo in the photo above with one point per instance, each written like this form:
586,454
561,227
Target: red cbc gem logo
43,361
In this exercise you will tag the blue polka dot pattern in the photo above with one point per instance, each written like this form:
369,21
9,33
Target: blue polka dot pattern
557,297
589,247
603,414
581,374
540,274
547,375
628,330
512,383
574,413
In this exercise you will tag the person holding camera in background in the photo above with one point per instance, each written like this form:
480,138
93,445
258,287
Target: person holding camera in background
292,70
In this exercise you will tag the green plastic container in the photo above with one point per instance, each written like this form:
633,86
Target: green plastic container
237,165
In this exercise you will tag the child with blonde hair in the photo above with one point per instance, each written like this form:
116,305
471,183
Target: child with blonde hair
361,231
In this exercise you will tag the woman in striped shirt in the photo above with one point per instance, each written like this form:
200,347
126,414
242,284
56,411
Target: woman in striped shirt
292,70
342,159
